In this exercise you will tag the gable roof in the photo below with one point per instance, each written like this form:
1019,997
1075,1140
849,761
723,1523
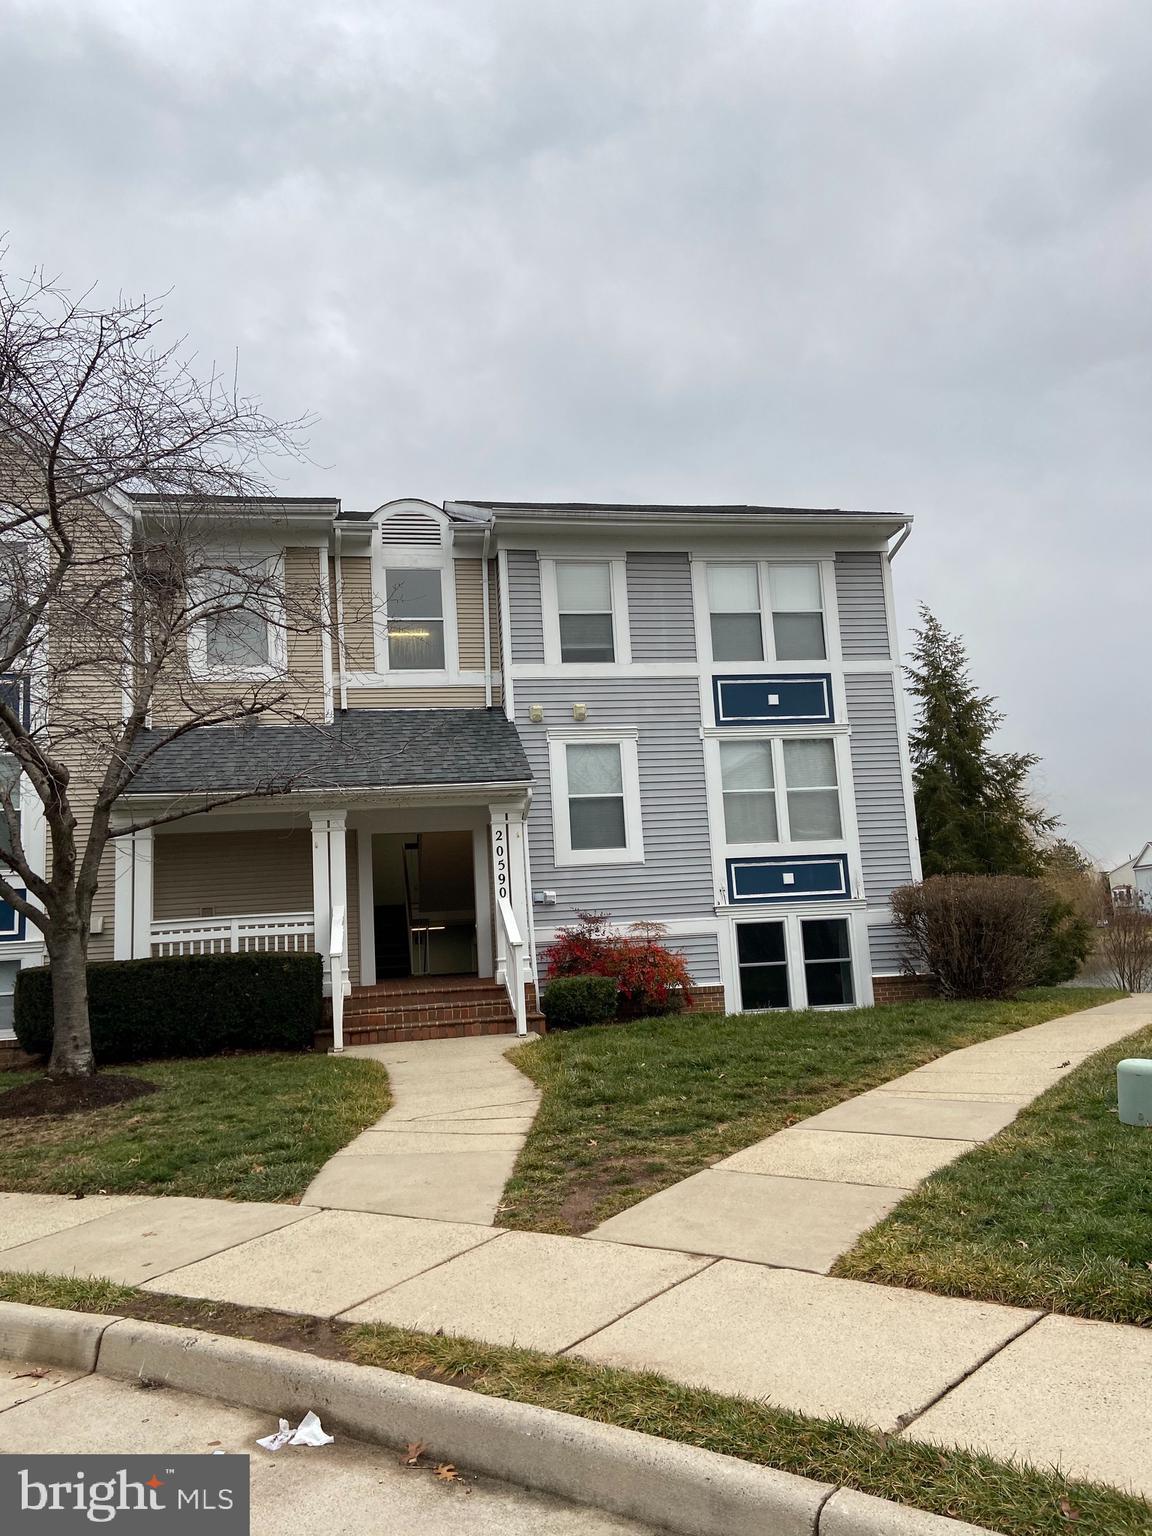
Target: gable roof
360,749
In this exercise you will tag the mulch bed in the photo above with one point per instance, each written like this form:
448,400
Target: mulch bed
71,1095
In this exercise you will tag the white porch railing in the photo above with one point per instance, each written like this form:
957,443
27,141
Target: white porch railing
336,956
283,932
511,967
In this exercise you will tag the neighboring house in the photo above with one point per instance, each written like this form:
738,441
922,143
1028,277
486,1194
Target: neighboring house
689,715
1131,882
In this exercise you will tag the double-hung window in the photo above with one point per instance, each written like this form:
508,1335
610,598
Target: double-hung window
741,593
240,634
813,795
596,801
584,609
415,625
827,962
752,776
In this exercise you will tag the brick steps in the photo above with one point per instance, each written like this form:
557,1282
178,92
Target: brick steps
428,1008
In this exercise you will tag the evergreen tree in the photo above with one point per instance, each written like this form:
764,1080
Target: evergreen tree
972,804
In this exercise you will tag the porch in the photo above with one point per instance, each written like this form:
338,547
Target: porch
412,892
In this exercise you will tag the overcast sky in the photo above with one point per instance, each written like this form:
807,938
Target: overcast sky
867,253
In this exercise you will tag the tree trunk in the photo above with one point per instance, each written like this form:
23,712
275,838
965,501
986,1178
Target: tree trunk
71,1034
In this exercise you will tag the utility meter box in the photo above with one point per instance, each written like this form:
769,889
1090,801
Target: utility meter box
1134,1091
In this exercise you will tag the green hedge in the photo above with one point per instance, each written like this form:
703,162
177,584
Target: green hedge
570,1002
189,1005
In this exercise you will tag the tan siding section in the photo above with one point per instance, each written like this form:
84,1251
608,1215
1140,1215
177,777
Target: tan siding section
359,614
416,698
235,873
470,613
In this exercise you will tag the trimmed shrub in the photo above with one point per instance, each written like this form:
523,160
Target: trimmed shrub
981,936
570,1002
650,978
189,1005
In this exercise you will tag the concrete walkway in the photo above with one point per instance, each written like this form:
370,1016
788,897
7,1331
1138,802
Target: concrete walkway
445,1149
801,1198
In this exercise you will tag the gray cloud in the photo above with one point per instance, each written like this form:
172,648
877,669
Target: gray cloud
866,252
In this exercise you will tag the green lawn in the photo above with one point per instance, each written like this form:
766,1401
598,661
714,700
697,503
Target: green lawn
965,1485
629,1109
1055,1212
239,1127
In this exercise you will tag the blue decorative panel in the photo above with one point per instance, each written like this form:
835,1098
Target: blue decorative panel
14,692
11,921
794,698
801,877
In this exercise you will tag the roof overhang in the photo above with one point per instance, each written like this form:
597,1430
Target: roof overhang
783,520
196,802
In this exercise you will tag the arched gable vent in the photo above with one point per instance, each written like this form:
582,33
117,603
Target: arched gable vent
410,528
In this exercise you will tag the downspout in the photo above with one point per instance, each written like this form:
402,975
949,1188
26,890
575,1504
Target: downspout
341,655
895,550
487,618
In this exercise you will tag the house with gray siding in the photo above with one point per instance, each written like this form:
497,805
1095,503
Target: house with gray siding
509,713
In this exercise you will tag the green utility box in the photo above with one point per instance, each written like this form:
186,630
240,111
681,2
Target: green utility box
1134,1091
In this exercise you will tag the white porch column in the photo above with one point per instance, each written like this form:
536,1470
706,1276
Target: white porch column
509,882
133,896
329,882
482,886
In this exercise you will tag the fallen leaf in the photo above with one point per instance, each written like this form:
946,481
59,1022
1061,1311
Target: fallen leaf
1068,1512
412,1453
1064,1064
446,1472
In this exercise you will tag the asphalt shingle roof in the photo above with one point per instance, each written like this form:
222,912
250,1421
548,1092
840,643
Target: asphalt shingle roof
362,749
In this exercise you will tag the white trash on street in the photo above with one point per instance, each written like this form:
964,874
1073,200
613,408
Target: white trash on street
309,1431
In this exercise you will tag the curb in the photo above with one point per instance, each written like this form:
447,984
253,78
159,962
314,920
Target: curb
680,1488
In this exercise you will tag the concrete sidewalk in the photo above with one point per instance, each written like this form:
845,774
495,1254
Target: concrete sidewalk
802,1197
445,1149
1012,1381
765,1324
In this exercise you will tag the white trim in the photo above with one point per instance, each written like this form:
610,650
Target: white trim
550,613
902,726
365,879
425,678
507,693
415,558
326,632
482,883
563,852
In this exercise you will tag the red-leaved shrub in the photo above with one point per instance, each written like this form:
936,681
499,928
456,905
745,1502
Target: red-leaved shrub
651,977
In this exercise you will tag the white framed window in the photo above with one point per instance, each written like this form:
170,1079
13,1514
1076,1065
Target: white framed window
813,793
749,789
780,790
414,618
240,635
765,611
10,798
595,799
585,609
9,969
795,961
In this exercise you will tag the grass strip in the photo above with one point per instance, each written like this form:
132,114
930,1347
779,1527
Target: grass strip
630,1109
245,1127
1055,1212
1010,1498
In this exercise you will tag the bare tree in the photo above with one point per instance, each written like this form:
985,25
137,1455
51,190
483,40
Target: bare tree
121,628
1126,947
